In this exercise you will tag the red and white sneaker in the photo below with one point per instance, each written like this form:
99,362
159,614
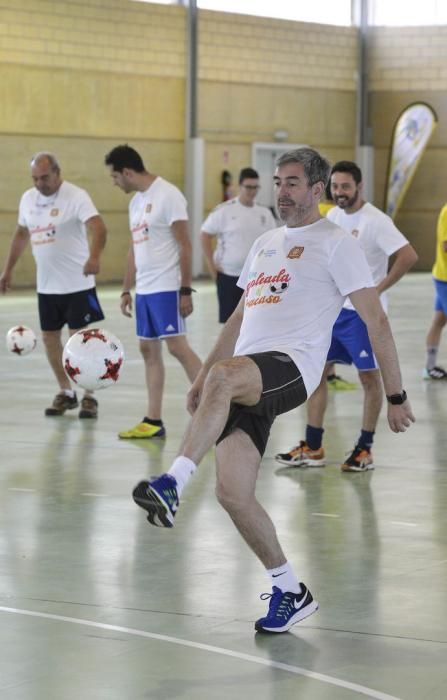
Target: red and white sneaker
302,456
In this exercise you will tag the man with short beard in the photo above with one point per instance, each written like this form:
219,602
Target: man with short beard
379,238
268,359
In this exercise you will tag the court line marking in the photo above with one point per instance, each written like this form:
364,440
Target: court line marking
95,495
297,670
402,522
326,515
16,488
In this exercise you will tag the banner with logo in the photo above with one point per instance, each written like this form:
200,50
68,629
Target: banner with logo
411,135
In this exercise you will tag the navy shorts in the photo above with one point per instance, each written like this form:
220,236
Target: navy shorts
228,295
158,315
282,390
77,310
350,342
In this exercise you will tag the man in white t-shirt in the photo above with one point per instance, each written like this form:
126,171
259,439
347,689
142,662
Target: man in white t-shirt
159,264
56,216
267,360
236,224
379,238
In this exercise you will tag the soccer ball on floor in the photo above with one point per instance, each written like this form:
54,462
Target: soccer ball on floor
21,340
92,358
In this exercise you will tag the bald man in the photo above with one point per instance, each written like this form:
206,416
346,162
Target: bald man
59,218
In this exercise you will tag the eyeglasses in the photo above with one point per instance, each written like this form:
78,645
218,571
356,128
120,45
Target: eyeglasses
252,187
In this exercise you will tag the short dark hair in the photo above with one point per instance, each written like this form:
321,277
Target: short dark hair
125,156
316,167
247,173
348,166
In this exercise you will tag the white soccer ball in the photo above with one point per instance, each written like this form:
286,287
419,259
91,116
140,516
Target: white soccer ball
93,358
21,340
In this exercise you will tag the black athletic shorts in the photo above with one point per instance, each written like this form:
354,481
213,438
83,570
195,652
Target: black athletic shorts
282,390
228,295
77,310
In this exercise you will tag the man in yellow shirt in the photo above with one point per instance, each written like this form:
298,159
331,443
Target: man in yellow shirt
439,271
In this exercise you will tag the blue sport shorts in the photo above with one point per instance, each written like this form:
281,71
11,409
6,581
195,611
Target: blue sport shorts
158,315
440,295
350,342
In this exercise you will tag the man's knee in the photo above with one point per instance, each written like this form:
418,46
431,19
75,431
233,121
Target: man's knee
150,350
222,376
230,497
51,338
178,347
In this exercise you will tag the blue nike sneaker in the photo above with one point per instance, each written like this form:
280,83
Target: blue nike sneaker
159,498
286,609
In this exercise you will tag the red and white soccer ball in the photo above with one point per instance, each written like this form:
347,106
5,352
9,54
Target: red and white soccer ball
93,358
21,340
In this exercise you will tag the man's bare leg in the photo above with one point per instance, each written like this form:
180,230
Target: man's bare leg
238,463
179,348
151,351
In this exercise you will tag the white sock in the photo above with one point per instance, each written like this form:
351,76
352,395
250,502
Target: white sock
432,356
284,578
69,392
182,470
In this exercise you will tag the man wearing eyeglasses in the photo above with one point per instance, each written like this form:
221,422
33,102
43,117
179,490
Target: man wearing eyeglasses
236,223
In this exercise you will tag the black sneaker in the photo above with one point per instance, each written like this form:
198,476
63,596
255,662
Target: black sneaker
89,407
434,373
286,609
61,403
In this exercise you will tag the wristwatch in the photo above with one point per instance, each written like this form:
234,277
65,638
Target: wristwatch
397,399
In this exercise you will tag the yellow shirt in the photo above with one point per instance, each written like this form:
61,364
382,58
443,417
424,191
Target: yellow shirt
439,270
324,207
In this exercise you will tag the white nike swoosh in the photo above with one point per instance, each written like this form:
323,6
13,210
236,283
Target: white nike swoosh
297,605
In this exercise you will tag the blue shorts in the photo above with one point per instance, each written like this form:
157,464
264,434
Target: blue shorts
158,315
350,342
440,295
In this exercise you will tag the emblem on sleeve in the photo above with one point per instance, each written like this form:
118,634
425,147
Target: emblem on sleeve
295,252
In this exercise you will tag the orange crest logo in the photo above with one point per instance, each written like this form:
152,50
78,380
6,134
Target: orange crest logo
148,208
295,252
54,212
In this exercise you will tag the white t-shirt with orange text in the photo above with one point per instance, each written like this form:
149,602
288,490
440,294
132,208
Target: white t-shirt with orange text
295,282
59,243
151,215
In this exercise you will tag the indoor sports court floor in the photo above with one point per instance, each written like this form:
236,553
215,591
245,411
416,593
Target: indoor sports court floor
97,604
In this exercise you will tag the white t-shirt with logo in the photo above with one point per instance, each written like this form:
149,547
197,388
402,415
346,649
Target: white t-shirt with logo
157,257
236,227
378,237
59,243
295,282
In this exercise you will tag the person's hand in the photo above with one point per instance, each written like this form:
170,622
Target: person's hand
5,282
186,307
194,394
400,417
91,267
126,304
